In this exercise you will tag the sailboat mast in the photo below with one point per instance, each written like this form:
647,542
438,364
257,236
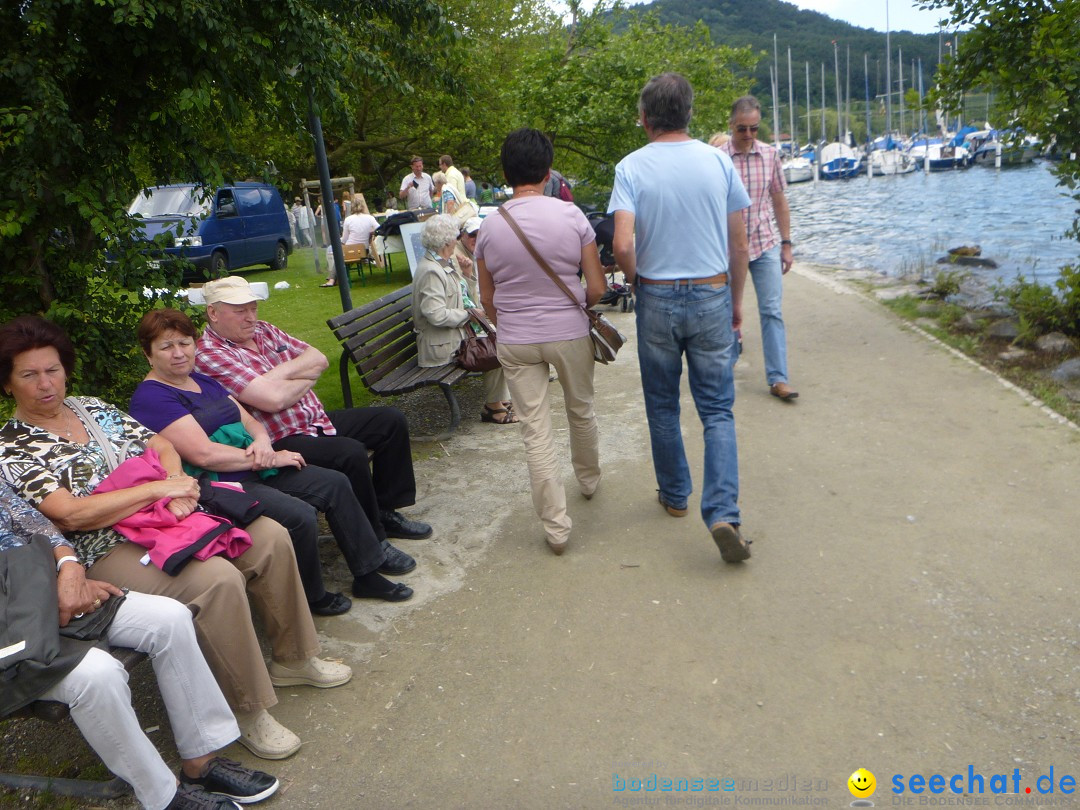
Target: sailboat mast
775,91
866,83
775,126
922,125
888,72
809,120
824,136
900,60
839,100
847,97
791,106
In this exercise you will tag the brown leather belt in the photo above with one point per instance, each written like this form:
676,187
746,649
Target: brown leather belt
719,278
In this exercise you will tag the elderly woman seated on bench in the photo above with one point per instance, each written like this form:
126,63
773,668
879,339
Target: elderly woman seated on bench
443,299
94,684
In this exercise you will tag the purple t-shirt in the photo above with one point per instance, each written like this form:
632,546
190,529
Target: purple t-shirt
157,406
532,309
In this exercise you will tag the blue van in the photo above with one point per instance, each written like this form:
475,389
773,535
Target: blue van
235,226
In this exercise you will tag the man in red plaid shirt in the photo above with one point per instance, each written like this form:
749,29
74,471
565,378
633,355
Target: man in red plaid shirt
273,374
759,167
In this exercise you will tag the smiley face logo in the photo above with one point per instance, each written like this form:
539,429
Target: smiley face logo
861,783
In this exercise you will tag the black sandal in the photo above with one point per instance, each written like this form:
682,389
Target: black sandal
488,415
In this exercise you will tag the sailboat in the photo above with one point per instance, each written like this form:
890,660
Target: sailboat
797,169
838,161
890,161
988,143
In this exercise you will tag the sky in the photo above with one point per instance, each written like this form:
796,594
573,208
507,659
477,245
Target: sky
903,16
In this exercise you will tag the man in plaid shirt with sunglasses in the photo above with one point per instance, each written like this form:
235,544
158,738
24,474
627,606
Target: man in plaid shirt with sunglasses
758,164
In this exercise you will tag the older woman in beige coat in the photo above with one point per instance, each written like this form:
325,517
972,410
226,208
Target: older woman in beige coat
442,300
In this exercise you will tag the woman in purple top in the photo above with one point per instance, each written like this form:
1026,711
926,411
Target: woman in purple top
540,327
214,434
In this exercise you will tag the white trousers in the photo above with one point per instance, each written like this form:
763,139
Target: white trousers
100,701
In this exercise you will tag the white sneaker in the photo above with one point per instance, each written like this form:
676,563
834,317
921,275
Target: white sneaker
265,737
313,672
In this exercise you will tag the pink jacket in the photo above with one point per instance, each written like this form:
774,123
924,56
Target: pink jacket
172,543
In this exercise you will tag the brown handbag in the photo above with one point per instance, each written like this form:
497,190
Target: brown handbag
606,339
478,352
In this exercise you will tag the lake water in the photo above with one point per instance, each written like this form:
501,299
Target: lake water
902,224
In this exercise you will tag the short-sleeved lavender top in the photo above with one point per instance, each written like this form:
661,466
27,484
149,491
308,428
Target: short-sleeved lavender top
158,405
531,308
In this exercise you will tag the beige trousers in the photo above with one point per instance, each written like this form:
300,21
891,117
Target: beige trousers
217,591
528,368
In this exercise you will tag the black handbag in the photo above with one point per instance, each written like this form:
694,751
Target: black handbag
94,626
478,352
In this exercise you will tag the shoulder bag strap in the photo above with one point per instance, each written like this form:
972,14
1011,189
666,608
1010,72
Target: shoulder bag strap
481,322
94,429
540,259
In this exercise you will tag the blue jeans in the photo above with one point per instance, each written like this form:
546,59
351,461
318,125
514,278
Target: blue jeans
673,320
768,280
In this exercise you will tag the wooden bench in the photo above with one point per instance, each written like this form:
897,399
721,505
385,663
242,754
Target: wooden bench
53,711
378,339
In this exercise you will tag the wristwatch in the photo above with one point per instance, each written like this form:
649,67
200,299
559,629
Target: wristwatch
62,560
786,242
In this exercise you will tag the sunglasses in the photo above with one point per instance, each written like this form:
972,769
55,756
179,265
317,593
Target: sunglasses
747,128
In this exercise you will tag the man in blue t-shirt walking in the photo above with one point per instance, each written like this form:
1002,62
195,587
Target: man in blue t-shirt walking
677,203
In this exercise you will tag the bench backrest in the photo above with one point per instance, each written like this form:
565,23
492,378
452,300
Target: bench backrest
378,336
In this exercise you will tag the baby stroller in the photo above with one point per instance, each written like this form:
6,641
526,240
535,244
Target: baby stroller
616,295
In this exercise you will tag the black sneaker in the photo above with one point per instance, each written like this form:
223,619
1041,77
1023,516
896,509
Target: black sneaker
190,797
397,562
397,525
224,777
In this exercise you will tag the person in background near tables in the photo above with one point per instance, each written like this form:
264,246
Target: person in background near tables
540,327
416,186
214,435
444,198
273,374
453,177
441,306
554,187
465,254
94,684
689,298
51,459
358,229
465,258
302,214
470,184
762,173
450,203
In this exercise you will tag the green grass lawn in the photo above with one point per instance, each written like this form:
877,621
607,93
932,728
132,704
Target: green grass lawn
303,308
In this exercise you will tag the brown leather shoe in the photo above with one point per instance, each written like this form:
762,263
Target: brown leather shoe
783,391
674,511
733,546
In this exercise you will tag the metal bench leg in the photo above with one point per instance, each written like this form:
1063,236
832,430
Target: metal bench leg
114,788
346,383
455,417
